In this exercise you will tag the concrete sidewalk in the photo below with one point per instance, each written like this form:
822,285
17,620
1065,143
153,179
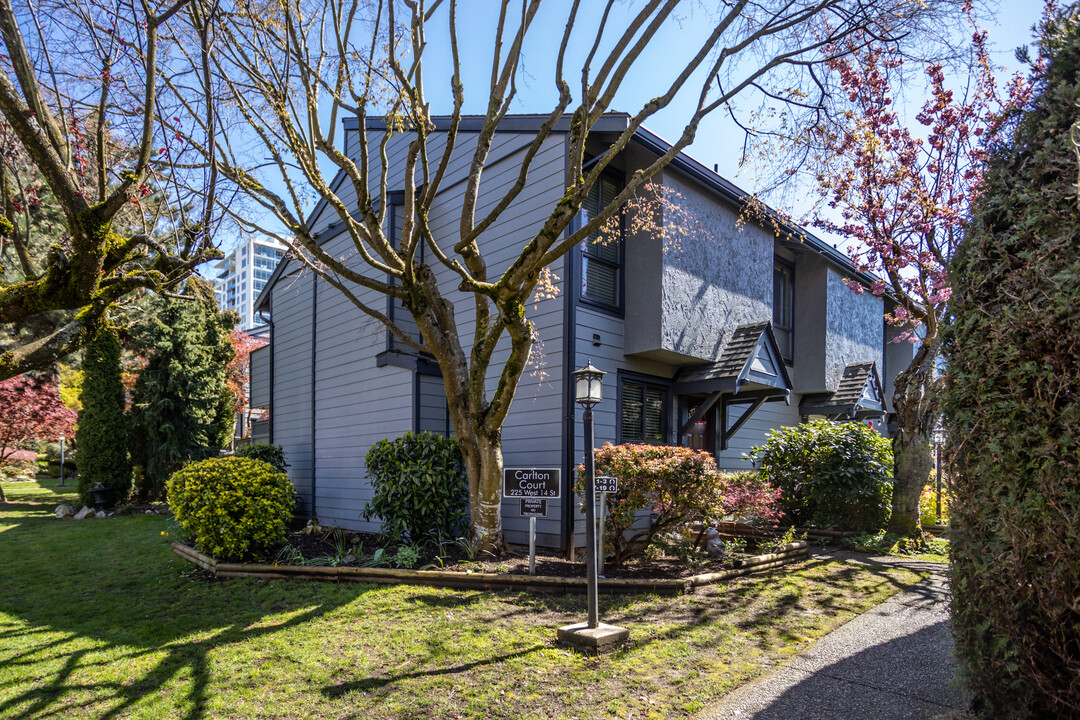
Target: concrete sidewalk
894,662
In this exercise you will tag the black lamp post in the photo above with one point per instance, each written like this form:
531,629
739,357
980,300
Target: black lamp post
62,438
588,392
938,437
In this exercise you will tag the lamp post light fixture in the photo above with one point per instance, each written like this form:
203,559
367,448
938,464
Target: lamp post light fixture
588,391
62,438
592,635
938,437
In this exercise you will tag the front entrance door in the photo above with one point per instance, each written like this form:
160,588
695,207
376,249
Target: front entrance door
702,434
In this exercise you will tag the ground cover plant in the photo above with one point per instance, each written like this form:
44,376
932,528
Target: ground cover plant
120,627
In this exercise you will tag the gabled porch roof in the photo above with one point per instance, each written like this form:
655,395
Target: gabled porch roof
859,396
751,361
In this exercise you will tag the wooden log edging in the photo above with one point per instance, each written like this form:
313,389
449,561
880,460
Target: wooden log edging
489,581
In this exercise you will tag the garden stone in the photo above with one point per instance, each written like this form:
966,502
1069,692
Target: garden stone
63,510
85,513
100,515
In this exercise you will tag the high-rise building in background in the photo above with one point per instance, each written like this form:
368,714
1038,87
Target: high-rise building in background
242,275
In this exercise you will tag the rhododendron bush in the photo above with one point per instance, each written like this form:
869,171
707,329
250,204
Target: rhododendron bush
663,487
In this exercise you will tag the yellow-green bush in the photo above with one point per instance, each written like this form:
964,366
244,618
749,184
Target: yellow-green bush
231,508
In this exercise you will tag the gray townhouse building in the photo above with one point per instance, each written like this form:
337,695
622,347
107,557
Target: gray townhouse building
710,344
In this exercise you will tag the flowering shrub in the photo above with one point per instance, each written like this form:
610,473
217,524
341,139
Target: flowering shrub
678,485
749,499
231,507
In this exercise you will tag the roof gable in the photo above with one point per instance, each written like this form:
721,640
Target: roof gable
751,360
859,395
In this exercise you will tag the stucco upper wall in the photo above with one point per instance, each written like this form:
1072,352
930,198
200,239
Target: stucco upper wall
710,282
854,328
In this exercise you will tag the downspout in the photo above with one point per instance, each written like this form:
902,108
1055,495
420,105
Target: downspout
569,358
270,391
314,326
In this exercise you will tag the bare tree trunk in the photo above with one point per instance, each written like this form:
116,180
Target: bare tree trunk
915,403
484,464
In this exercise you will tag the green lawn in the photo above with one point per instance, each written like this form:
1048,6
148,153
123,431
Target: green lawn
99,619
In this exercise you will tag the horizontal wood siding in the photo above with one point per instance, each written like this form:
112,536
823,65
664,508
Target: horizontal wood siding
291,411
260,377
768,417
357,402
431,403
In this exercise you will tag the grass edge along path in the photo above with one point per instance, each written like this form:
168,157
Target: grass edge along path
98,619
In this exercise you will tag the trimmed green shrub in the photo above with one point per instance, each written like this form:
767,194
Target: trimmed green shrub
273,454
676,484
829,474
1012,406
231,508
102,435
420,488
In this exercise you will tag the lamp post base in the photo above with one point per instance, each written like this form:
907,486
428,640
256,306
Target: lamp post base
600,639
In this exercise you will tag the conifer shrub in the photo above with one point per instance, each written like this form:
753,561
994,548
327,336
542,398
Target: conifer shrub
101,434
181,406
829,474
231,508
1012,404
419,485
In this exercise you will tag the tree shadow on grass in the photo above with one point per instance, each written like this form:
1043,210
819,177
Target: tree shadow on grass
755,603
117,593
378,683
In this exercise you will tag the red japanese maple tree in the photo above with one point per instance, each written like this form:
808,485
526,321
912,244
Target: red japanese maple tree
239,370
904,199
30,409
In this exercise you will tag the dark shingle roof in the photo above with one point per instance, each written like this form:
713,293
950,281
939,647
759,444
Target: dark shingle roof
847,400
738,352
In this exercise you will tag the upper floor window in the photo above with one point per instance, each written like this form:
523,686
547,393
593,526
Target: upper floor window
783,314
601,254
643,412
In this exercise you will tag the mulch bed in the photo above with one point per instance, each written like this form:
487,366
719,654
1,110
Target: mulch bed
322,545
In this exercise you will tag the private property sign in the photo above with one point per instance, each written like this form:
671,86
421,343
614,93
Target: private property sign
532,482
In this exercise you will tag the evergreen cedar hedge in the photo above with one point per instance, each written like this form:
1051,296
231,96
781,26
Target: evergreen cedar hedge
829,474
102,429
1012,405
181,407
231,508
419,485
678,486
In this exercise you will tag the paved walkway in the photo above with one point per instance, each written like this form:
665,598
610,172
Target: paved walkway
894,662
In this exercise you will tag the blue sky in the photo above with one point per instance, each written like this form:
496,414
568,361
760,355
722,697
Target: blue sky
719,140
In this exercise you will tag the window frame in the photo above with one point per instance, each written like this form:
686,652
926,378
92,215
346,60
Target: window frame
645,381
618,308
788,269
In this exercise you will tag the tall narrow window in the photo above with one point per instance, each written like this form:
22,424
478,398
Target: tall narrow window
643,417
601,253
783,313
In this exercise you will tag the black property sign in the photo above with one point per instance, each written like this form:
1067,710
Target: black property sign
532,482
533,507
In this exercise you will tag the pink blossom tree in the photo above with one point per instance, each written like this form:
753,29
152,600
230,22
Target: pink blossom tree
904,200
30,409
